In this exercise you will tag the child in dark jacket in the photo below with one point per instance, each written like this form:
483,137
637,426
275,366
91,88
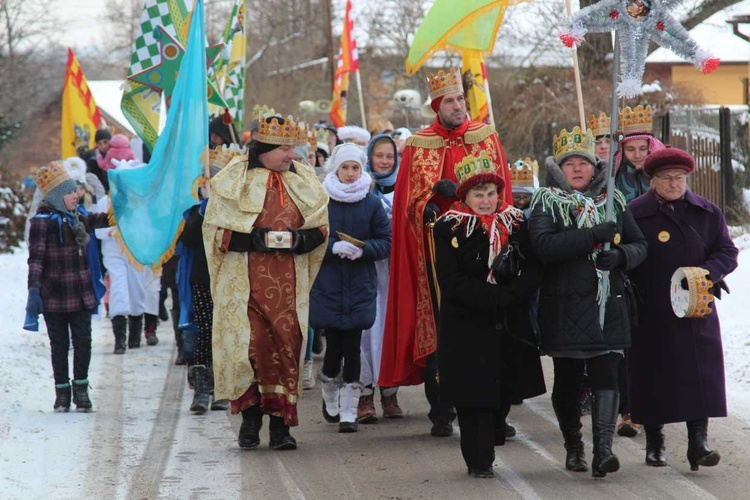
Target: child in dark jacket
60,282
343,297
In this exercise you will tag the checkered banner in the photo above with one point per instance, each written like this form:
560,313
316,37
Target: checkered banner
141,104
229,69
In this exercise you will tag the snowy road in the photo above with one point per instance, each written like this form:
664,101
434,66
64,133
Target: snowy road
142,442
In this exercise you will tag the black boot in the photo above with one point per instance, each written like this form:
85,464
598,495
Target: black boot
62,398
163,315
81,396
656,452
120,329
252,421
603,419
698,452
216,405
151,321
135,327
280,439
180,359
569,419
201,397
502,429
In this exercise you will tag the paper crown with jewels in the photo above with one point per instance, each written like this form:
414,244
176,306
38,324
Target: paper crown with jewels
219,157
50,176
445,83
638,120
599,125
695,302
522,173
474,170
306,136
272,131
574,143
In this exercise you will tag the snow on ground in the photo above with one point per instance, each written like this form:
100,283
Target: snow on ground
36,445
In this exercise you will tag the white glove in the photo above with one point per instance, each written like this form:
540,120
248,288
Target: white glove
356,254
344,249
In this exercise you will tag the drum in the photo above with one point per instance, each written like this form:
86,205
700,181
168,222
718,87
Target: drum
695,302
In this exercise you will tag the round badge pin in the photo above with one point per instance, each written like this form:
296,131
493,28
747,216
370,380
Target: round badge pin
454,242
664,236
617,239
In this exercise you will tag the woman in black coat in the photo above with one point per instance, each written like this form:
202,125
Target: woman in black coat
567,232
487,353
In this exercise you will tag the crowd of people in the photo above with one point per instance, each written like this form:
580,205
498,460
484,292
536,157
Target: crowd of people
423,258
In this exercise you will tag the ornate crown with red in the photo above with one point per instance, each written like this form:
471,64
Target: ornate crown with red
599,125
522,172
445,83
271,131
638,120
50,176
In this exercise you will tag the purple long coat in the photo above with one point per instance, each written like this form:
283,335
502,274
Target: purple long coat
676,365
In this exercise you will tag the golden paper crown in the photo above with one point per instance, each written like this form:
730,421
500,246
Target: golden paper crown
474,165
639,120
574,142
306,136
699,296
522,172
321,136
270,131
599,125
218,158
445,83
50,176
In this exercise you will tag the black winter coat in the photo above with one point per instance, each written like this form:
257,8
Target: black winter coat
481,364
192,237
343,296
568,307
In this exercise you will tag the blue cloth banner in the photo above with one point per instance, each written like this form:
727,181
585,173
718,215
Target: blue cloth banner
148,202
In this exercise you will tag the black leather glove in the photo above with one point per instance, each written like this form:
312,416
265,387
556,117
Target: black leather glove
718,287
253,242
604,232
610,259
306,240
445,187
431,212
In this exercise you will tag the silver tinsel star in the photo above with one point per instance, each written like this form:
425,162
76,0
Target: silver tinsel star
637,22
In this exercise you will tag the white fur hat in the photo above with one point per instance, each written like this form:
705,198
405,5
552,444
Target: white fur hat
346,152
353,133
76,168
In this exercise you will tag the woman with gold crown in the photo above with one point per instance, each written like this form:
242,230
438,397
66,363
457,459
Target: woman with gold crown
567,231
487,354
264,231
638,142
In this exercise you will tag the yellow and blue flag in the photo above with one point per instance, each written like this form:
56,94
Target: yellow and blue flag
148,202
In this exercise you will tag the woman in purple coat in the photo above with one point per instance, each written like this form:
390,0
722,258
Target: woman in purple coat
676,365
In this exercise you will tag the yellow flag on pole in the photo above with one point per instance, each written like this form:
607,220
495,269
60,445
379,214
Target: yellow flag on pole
474,74
80,115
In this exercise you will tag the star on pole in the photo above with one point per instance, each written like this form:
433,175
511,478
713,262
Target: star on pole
162,76
638,22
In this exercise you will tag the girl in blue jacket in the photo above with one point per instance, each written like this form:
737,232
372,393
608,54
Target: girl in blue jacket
343,297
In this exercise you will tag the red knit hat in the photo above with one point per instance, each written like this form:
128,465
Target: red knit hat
668,158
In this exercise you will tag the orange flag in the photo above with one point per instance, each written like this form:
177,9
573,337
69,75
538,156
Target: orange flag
348,62
80,115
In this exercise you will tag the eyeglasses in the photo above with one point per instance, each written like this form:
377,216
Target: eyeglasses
672,178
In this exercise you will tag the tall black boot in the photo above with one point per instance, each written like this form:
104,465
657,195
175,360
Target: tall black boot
698,452
280,439
120,330
151,321
603,419
569,419
252,421
135,327
201,397
656,451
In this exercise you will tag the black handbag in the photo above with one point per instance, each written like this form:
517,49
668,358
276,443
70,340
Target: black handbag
509,264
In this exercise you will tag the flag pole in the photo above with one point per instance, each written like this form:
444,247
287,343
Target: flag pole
487,92
577,77
361,101
614,141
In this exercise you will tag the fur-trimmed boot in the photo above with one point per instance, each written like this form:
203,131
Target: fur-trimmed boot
331,389
348,402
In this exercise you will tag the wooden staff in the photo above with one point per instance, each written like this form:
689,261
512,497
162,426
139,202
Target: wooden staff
577,77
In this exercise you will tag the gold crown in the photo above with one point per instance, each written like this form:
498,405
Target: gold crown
696,301
572,143
50,176
522,172
638,120
445,83
599,125
218,158
321,136
271,131
474,165
305,136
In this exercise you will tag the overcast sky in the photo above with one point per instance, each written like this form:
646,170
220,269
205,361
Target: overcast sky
80,21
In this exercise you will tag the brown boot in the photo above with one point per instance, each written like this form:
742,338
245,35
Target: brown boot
366,413
391,409
627,427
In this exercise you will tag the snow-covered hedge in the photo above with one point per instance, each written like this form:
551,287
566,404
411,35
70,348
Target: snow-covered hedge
13,213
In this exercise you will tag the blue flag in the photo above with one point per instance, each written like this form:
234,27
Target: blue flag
148,202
